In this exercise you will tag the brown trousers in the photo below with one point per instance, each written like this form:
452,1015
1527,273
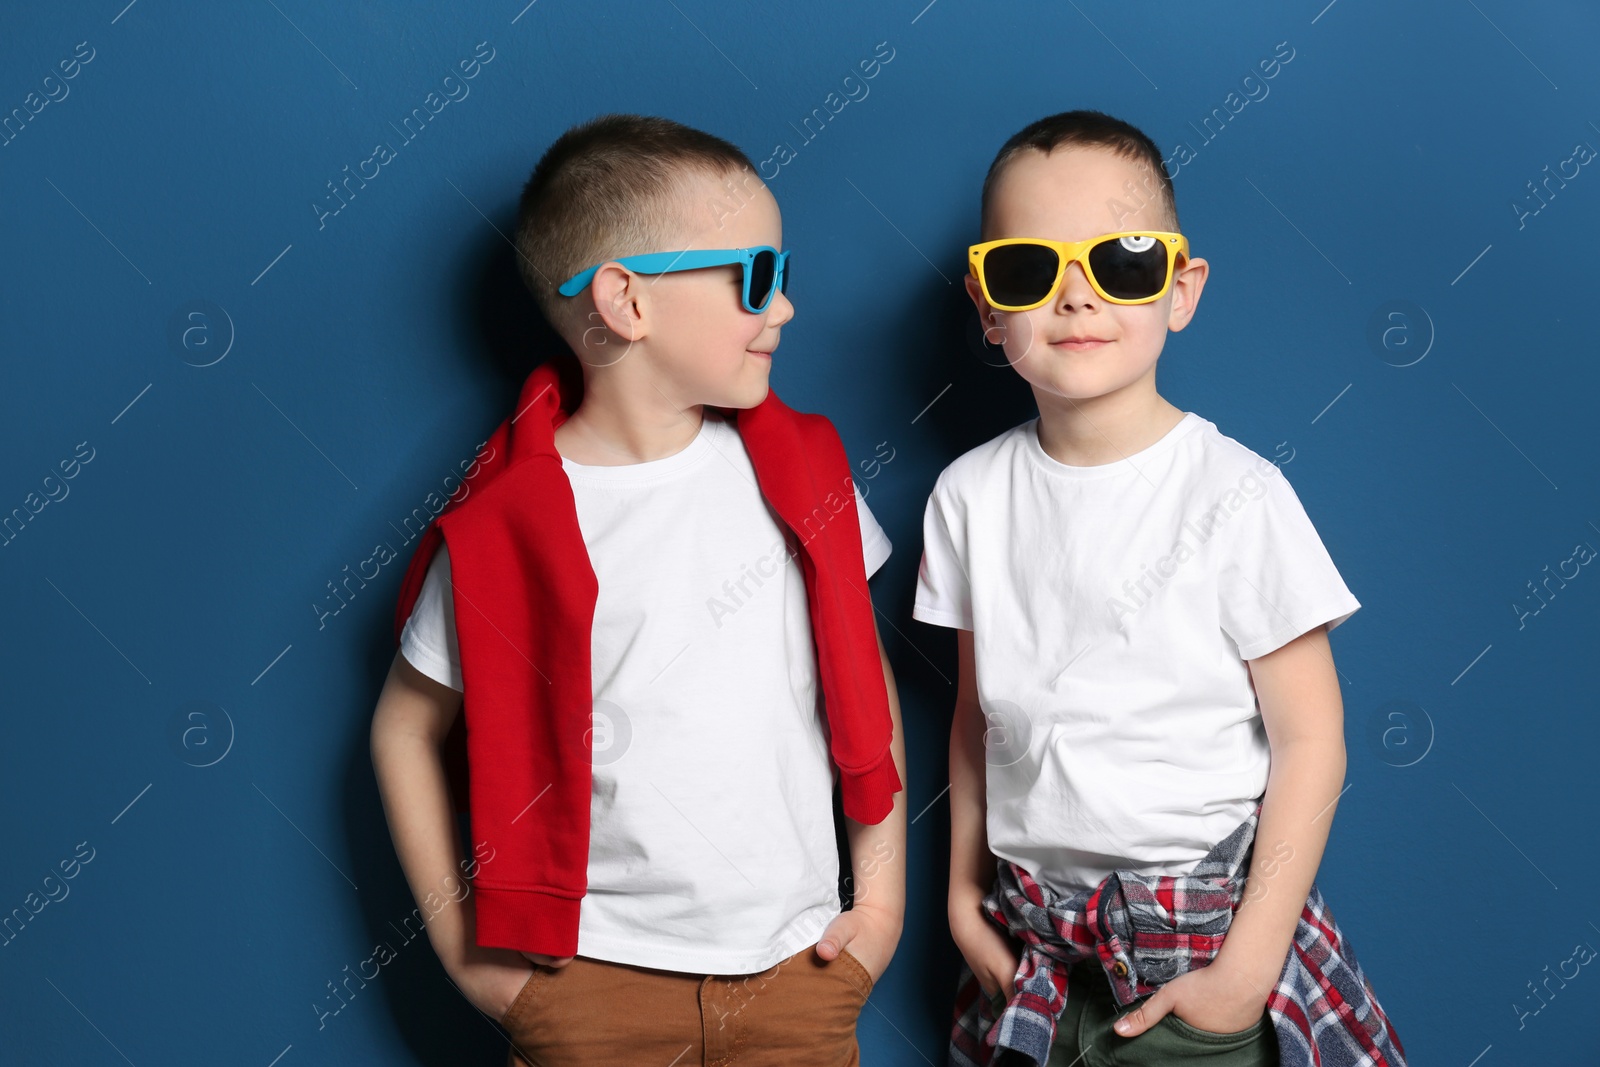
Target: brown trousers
592,1013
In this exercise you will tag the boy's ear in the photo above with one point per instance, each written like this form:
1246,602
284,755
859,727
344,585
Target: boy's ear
975,291
619,302
1187,282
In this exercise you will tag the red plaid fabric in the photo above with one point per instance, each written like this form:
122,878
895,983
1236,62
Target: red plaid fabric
1145,930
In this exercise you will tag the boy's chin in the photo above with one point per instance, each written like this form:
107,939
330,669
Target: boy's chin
1074,387
745,393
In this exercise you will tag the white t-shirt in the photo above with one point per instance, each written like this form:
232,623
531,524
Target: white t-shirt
712,843
1113,608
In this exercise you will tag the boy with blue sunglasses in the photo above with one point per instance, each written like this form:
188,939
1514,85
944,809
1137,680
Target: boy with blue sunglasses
639,649
1147,745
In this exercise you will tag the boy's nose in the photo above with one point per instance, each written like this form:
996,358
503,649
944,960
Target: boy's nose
1075,291
781,310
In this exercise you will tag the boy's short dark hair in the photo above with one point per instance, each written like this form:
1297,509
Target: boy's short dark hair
1093,129
607,188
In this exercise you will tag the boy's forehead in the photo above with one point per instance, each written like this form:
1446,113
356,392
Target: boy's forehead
733,210
1071,194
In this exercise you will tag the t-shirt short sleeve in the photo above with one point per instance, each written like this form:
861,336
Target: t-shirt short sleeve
875,547
944,594
1276,580
428,639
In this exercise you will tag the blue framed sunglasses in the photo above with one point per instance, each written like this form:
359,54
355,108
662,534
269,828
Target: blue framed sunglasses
765,270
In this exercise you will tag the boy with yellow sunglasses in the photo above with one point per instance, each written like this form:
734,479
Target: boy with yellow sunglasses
1147,745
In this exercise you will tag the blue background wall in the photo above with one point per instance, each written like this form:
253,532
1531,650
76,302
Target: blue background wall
179,702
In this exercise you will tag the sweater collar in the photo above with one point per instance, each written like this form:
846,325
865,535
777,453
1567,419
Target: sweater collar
549,397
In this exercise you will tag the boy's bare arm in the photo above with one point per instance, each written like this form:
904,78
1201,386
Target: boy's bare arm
413,716
987,950
871,929
971,864
1298,690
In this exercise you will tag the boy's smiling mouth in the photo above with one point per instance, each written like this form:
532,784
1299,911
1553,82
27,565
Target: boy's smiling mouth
1079,344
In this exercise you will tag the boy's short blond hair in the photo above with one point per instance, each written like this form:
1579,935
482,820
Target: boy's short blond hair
1088,129
611,187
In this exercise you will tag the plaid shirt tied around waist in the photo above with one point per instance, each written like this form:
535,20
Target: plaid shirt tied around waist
1146,930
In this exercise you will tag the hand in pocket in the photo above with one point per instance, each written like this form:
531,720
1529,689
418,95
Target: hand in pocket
492,985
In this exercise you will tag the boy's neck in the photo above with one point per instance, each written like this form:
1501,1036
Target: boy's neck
614,427
1104,429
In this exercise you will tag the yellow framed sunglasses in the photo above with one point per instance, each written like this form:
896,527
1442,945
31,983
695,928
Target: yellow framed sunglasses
1127,267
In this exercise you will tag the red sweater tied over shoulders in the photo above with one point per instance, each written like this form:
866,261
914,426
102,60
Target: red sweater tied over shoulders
519,756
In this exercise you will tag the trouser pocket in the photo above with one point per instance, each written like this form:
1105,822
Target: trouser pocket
1086,1037
1254,1046
523,996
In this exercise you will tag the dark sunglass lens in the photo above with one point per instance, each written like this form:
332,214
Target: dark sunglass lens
762,269
1130,268
1020,274
783,285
